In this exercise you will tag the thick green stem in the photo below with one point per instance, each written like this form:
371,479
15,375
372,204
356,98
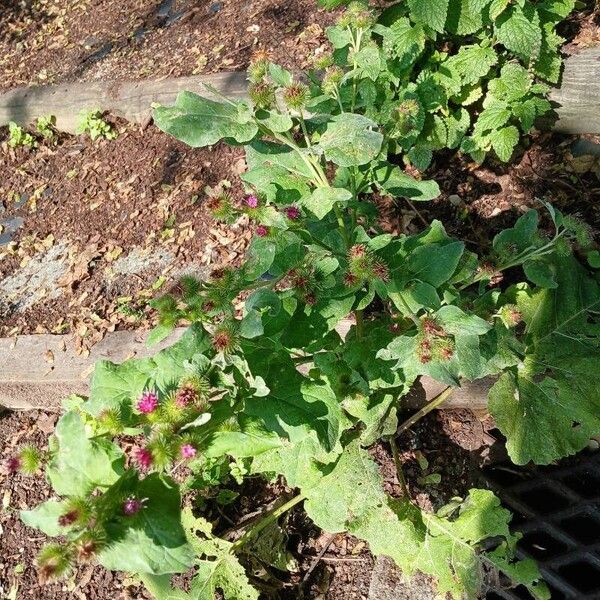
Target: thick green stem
270,517
425,410
358,314
342,224
398,464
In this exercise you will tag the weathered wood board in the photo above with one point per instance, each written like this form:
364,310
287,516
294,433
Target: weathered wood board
39,371
577,100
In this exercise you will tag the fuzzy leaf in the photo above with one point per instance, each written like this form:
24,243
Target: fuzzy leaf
472,62
550,406
153,540
45,517
351,140
219,574
200,122
82,463
323,199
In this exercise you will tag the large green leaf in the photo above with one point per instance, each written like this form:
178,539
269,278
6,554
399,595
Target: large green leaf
472,62
45,517
153,540
395,181
323,199
296,406
451,551
200,122
82,463
549,407
351,140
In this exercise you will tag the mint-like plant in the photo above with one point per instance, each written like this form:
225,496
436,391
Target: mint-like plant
278,390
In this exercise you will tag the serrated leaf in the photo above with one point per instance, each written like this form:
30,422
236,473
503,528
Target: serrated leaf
82,463
473,62
200,122
351,140
504,141
429,12
466,16
491,119
519,30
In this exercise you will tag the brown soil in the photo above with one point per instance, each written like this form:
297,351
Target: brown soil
143,190
331,567
44,42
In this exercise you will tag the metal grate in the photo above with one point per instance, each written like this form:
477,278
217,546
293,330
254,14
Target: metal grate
558,511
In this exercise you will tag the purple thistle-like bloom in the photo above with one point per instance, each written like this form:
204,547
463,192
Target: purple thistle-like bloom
143,458
188,451
292,212
262,231
252,201
12,464
147,402
132,506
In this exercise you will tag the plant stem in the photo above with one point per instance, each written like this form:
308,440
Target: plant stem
399,471
342,224
358,315
425,410
270,517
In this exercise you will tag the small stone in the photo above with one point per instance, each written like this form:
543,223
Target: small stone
593,444
455,200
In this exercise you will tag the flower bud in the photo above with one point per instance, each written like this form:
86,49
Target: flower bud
262,94
53,561
251,201
225,338
510,315
262,231
431,327
292,213
187,451
295,96
132,506
143,458
331,80
148,402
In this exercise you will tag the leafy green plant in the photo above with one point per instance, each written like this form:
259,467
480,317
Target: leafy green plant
17,136
92,123
279,391
46,127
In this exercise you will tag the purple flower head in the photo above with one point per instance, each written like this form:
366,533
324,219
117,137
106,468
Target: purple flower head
132,506
147,402
143,458
252,201
292,212
188,451
262,231
12,464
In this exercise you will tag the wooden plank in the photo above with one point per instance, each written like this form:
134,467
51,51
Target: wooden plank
577,101
578,98
39,371
131,100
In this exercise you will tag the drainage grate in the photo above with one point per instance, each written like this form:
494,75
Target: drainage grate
558,511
